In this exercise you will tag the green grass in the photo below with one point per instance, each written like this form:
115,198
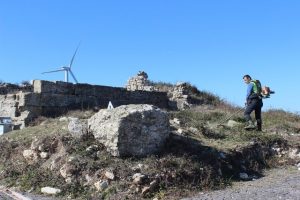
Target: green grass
47,128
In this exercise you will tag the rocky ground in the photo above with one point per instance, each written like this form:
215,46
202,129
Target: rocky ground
279,183
132,152
282,183
6,194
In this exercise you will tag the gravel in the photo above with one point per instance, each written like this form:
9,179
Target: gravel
283,184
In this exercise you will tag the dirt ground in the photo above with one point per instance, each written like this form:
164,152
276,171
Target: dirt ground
280,183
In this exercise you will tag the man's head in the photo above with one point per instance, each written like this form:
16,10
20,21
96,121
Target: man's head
247,79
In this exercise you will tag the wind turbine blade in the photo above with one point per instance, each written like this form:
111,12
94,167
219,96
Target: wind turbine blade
74,55
59,70
73,76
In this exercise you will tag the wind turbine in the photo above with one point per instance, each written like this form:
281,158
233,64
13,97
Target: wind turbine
66,69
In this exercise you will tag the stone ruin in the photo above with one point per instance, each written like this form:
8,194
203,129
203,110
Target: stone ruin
180,96
140,82
8,88
44,98
131,130
50,99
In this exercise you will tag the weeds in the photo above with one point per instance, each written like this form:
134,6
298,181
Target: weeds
186,165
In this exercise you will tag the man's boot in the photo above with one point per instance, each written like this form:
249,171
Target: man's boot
250,125
259,124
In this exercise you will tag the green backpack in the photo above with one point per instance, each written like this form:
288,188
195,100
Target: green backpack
256,87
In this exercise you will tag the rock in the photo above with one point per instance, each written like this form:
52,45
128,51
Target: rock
139,178
294,153
277,150
298,166
109,175
153,185
88,179
34,144
63,171
50,190
145,190
150,188
138,168
180,131
244,176
232,123
42,147
77,128
92,148
67,170
30,156
101,185
131,130
72,159
176,121
69,180
193,130
44,155
57,159
55,163
63,119
138,190
38,145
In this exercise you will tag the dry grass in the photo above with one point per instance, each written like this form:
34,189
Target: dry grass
206,121
49,127
188,163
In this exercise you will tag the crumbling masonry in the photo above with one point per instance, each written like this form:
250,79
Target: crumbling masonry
45,98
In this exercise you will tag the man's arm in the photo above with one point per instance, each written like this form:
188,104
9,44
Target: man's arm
249,90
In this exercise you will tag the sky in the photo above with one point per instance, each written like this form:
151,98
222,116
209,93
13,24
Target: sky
208,43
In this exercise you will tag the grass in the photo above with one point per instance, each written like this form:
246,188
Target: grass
187,164
48,127
197,96
275,123
163,86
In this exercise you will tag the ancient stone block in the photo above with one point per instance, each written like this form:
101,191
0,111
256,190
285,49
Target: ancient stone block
131,130
58,87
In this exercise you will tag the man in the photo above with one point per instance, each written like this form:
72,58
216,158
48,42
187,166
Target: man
253,103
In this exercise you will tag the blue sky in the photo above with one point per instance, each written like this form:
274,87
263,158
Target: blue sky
210,44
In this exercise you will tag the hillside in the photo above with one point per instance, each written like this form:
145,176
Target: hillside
204,152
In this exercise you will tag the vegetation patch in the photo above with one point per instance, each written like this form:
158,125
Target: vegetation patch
199,157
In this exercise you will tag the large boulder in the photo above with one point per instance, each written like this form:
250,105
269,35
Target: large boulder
131,130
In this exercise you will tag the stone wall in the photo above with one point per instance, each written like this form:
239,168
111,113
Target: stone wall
8,105
61,94
55,98
7,88
139,82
